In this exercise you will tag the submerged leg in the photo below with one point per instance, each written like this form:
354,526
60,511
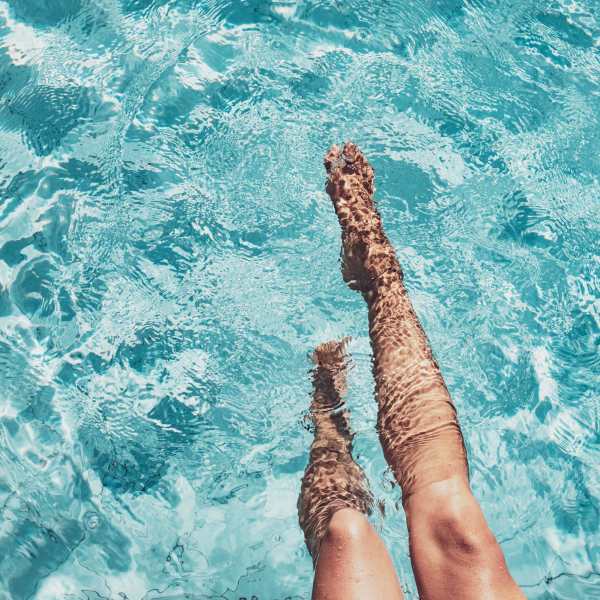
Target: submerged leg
454,553
351,561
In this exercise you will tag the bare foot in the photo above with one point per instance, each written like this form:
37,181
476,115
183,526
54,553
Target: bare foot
332,479
367,255
329,375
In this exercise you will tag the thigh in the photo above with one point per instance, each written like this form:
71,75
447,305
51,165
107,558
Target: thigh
353,562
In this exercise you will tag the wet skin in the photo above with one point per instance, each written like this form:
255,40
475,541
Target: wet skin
453,552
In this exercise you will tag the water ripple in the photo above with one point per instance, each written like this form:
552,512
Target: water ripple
168,258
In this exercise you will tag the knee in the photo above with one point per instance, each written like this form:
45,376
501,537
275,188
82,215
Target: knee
348,526
461,533
455,526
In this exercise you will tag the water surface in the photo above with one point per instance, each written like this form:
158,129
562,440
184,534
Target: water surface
168,258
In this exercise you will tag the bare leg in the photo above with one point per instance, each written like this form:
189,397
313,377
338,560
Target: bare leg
454,554
351,561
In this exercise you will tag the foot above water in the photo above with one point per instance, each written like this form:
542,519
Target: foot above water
367,254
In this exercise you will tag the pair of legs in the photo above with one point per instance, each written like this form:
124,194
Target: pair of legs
453,552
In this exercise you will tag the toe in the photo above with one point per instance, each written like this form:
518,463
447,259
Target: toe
331,354
332,158
351,153
356,162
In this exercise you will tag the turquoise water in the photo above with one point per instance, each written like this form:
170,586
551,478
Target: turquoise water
168,258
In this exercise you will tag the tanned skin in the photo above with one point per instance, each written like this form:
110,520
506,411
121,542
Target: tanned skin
453,552
351,560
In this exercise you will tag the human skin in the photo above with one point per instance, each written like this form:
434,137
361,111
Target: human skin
453,552
351,560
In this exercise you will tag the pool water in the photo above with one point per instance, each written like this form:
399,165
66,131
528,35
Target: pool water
168,259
